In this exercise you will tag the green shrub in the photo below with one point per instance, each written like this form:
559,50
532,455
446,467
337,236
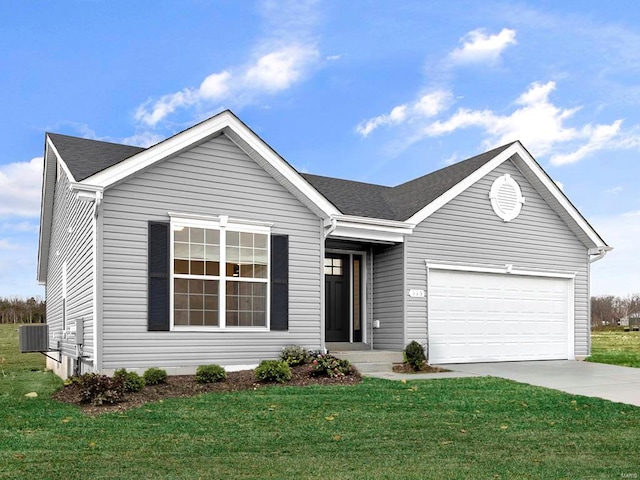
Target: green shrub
330,366
294,355
415,355
100,389
210,374
154,376
273,371
132,381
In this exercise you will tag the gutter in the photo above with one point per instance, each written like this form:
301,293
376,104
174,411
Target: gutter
332,226
598,253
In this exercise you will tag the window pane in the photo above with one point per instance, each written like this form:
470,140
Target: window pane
212,252
181,285
212,237
181,234
246,304
211,318
197,267
212,268
233,239
211,287
196,286
260,241
196,302
181,317
181,267
196,235
181,250
211,302
246,240
196,317
232,318
196,251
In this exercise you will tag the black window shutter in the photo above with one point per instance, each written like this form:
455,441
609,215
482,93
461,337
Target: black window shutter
279,282
158,268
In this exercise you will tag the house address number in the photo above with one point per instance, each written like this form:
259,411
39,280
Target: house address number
416,293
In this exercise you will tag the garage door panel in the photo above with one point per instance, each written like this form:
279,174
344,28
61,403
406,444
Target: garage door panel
496,317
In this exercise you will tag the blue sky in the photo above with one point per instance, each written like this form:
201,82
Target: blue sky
374,91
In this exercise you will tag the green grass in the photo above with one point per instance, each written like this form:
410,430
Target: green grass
615,347
451,428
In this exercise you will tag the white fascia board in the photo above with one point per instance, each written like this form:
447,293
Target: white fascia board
462,186
533,166
61,161
46,216
196,134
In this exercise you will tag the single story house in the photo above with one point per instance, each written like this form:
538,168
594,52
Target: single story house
209,247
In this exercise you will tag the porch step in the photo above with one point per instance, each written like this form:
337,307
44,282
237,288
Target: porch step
370,361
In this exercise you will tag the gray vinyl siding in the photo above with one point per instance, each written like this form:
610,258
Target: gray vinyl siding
388,297
71,241
467,231
214,178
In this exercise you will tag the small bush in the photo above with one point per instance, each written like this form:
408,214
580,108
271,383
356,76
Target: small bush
155,376
330,366
294,355
415,355
273,371
100,389
132,381
210,374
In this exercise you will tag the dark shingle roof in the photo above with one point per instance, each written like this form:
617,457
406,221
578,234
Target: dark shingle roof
87,157
402,201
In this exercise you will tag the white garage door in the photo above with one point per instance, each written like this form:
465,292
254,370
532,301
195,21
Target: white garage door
487,317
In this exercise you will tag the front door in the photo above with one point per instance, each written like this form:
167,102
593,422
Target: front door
337,297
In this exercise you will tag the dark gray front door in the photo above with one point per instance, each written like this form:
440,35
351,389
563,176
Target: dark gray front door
337,297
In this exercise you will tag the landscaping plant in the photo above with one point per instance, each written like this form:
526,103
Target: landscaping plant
98,389
325,364
415,355
273,371
210,374
132,381
294,355
155,376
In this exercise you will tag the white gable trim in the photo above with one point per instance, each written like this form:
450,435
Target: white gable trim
499,159
199,133
61,161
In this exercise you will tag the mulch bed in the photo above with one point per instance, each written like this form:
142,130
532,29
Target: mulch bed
182,386
407,368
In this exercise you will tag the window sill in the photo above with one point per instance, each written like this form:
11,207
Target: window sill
218,329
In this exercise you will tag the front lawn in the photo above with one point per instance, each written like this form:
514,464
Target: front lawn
450,428
615,347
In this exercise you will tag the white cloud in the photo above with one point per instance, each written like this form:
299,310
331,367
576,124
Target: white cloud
20,187
539,125
613,190
269,74
480,47
332,58
598,138
428,105
618,273
279,70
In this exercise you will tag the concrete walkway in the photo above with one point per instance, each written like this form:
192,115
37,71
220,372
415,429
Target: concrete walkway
611,382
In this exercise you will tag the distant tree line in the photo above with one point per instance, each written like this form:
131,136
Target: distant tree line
20,310
611,310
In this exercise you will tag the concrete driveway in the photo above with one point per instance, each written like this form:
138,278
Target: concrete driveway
618,384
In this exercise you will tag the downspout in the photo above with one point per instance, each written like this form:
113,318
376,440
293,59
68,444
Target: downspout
96,278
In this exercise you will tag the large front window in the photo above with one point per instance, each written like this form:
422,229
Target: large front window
220,275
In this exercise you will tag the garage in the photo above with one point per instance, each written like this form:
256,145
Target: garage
495,316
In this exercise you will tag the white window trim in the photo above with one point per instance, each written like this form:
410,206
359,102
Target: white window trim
222,224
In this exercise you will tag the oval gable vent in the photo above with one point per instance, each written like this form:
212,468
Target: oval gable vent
506,197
